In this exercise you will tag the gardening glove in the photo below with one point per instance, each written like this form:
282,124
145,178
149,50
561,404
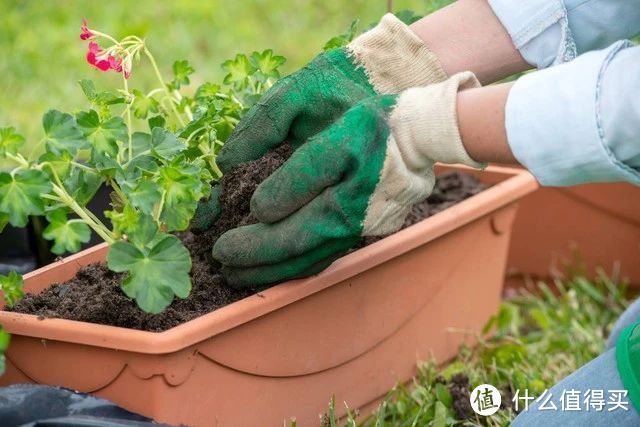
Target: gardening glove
387,59
359,177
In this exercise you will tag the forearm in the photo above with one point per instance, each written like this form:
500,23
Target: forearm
481,121
570,124
467,35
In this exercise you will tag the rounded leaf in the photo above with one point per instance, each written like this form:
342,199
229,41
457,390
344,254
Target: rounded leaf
156,275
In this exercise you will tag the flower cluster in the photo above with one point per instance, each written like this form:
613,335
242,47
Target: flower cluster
116,58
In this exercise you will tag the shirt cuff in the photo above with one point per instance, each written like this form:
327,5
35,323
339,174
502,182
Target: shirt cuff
553,123
539,29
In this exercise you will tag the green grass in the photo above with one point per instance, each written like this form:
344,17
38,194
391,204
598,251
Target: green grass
43,56
538,338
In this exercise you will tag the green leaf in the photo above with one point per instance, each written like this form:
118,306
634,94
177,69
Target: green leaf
143,105
156,275
165,144
440,416
89,89
82,185
11,286
61,164
443,395
21,195
106,165
238,69
156,122
67,235
453,369
140,142
144,232
145,196
180,182
102,134
342,39
10,141
62,133
177,216
206,91
124,220
108,98
267,63
181,72
197,124
407,16
4,220
182,189
145,163
5,339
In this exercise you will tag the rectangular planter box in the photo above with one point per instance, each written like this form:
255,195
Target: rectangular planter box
352,331
581,227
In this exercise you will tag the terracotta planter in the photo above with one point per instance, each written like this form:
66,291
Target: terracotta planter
583,227
353,331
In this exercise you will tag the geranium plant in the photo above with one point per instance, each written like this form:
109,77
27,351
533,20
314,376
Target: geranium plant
155,150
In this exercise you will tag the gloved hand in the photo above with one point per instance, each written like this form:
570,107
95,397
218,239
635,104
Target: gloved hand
387,59
359,177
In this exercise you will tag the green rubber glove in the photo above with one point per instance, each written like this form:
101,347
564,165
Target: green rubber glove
359,177
387,59
628,361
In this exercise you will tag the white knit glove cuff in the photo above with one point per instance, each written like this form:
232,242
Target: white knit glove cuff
424,123
394,58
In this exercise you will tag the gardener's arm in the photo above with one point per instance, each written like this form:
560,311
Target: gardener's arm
497,38
575,123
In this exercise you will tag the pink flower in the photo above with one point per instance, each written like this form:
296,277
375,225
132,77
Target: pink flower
99,58
102,59
85,34
115,63
96,57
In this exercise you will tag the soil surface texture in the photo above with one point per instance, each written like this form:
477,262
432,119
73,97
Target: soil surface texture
94,294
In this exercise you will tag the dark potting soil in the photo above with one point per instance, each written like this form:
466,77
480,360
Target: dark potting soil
94,294
460,390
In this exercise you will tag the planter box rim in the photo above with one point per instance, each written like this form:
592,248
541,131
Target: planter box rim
517,184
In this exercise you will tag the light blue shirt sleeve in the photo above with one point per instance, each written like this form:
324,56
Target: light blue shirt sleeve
579,122
550,32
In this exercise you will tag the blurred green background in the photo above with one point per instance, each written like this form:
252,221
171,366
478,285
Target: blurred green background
43,56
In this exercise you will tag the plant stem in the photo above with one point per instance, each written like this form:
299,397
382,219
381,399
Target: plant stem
95,218
18,159
164,85
126,88
106,36
100,229
158,212
190,137
210,160
84,167
83,213
187,110
118,191
50,197
154,91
